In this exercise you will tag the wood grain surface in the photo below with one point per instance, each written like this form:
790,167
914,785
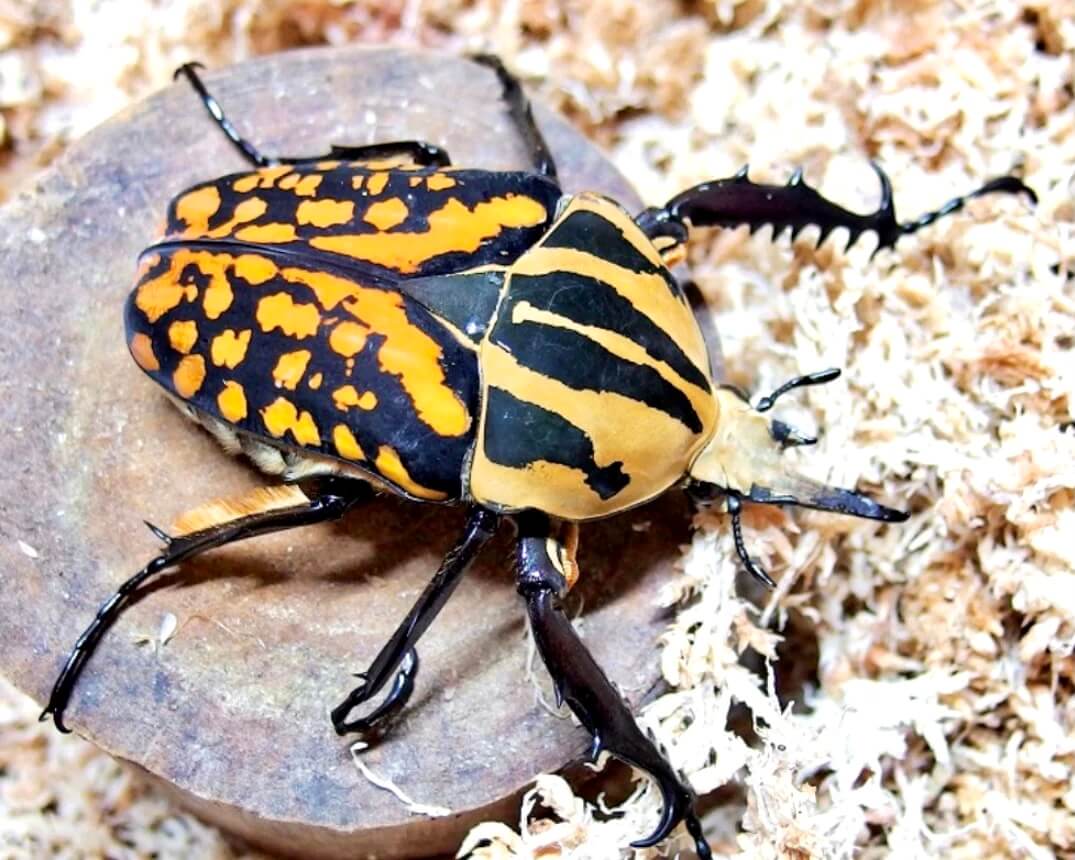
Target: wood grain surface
231,714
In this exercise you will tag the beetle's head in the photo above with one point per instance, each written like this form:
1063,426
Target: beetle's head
744,460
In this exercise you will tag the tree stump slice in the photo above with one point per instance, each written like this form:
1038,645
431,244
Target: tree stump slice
231,713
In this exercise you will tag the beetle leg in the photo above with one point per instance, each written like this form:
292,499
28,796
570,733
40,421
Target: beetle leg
414,151
581,682
333,502
398,653
736,200
735,508
521,114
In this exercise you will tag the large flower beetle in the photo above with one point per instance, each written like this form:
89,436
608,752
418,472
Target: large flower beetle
376,318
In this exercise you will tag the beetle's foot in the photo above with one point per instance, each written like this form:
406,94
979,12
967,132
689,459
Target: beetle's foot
677,805
54,710
397,697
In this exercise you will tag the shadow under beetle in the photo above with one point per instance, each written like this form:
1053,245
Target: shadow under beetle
376,318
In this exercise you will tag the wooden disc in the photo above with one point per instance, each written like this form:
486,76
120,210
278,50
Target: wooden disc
231,712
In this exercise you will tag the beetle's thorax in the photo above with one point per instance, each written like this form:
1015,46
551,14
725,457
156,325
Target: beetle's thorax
596,388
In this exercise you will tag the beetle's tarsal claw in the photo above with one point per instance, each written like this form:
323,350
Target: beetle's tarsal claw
677,804
402,688
56,715
674,804
187,69
159,533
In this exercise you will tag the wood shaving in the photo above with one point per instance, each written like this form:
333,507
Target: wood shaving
388,785
908,690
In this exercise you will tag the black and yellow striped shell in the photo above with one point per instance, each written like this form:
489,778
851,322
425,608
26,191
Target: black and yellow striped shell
452,334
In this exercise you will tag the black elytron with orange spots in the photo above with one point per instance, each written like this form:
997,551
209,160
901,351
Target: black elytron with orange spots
377,318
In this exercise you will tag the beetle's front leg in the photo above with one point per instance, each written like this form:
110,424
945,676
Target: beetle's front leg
737,200
542,566
398,657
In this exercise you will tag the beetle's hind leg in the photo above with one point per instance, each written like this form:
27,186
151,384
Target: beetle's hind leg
522,115
398,656
581,682
213,525
412,151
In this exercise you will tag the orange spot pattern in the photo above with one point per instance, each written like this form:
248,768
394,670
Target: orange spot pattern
376,183
280,311
289,368
389,465
407,352
325,213
182,335
453,227
347,396
348,338
232,402
439,182
255,269
281,416
386,214
189,376
142,351
163,293
346,444
229,348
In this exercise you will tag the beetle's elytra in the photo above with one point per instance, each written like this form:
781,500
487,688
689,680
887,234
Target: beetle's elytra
376,318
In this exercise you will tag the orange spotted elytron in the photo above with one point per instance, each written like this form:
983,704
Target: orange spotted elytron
379,318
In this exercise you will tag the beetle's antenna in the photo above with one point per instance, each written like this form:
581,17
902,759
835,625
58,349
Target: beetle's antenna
735,508
819,377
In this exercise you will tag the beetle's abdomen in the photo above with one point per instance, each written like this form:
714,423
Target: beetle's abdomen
595,382
322,361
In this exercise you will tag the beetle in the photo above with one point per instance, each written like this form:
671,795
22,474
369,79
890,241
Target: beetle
377,319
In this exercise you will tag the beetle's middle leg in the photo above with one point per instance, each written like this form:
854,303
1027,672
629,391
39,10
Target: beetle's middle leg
581,682
413,151
398,656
